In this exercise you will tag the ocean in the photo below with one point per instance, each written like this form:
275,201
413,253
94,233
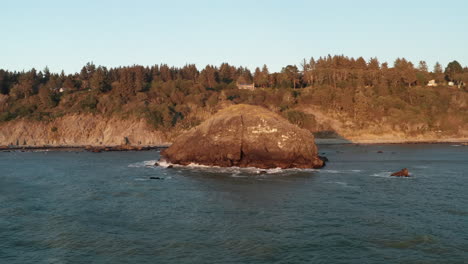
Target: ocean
81,207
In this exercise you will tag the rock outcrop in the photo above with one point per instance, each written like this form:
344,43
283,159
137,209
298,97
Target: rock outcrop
245,136
403,173
99,149
80,130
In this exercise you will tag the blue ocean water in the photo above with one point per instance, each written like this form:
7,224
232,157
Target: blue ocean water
80,207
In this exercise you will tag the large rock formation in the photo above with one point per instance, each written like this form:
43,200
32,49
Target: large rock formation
246,136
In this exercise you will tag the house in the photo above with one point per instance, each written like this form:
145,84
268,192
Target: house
59,90
246,86
432,83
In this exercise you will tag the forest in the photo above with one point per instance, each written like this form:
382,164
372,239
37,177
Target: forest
177,98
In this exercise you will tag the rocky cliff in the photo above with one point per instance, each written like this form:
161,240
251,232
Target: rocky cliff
98,130
80,130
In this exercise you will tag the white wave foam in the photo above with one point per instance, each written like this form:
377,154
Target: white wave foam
421,167
331,171
339,183
343,184
147,163
234,171
383,174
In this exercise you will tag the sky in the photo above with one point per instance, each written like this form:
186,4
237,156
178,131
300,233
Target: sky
68,34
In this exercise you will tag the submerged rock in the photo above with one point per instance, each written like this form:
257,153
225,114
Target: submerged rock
403,173
98,149
323,158
245,136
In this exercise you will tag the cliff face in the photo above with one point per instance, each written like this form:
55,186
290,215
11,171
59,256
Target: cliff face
87,129
80,130
345,129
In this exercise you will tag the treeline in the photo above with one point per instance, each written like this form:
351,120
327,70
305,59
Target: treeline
335,71
170,96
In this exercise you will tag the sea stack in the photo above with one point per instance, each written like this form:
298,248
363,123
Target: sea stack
245,136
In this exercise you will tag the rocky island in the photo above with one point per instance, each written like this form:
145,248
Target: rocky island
245,136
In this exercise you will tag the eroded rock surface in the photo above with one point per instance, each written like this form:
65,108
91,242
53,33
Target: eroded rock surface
246,136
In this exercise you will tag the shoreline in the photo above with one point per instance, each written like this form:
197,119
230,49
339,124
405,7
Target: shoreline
337,141
318,141
81,148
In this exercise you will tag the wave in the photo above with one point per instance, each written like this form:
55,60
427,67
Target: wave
420,167
237,172
343,184
383,174
141,164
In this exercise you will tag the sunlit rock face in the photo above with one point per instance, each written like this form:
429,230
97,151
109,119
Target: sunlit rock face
245,136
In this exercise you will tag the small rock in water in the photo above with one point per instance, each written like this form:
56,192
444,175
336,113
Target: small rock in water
323,158
403,173
156,178
262,172
379,151
156,164
169,167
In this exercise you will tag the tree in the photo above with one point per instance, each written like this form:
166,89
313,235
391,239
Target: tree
405,71
86,73
47,98
227,73
452,69
27,85
3,82
292,74
208,76
422,74
438,72
261,76
99,80
422,66
373,72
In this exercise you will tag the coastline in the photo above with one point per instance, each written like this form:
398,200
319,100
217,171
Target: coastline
318,141
335,141
81,148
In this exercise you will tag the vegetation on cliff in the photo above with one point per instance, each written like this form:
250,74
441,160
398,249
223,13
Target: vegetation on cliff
360,93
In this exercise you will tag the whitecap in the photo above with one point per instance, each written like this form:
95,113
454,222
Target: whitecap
234,171
141,164
421,167
384,174
330,171
343,184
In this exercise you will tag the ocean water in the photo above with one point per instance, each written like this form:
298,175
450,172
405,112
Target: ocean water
79,207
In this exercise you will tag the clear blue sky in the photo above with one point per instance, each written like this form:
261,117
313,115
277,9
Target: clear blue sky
67,34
